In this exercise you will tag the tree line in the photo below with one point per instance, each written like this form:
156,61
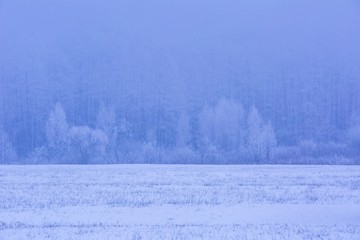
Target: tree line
224,133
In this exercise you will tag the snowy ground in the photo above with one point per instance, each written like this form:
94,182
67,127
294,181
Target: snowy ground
179,202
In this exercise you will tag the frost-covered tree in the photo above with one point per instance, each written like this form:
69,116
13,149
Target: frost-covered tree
151,152
106,121
269,141
222,130
223,125
57,136
254,123
206,127
7,152
229,127
183,151
261,138
38,156
87,145
183,131
126,146
353,138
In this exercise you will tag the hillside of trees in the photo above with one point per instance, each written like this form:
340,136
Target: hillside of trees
187,81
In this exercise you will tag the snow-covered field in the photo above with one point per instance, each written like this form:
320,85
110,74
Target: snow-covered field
179,202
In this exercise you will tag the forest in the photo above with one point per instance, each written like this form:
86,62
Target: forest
124,82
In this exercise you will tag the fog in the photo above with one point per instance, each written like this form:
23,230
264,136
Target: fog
151,62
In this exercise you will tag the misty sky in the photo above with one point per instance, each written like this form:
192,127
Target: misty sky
270,27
